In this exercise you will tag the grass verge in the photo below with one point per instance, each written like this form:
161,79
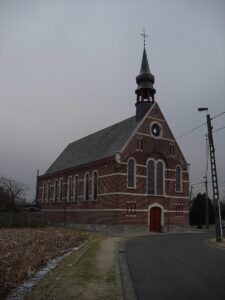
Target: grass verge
78,277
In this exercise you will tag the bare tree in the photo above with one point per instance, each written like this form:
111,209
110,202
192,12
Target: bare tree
16,190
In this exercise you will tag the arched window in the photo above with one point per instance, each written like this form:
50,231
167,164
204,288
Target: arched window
76,182
86,187
178,179
44,192
151,176
160,178
95,185
69,189
56,190
60,189
48,192
131,173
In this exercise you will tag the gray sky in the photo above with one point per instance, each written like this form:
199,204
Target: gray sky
68,68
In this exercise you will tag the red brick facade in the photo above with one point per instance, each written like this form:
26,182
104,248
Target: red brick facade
116,203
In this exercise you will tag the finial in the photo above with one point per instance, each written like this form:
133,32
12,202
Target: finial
144,35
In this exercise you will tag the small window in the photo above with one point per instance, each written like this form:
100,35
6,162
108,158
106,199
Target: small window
171,150
139,144
178,179
131,208
131,173
95,185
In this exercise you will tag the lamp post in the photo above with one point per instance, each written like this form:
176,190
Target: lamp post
200,109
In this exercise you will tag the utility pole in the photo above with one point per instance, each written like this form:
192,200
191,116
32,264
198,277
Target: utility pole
206,204
219,232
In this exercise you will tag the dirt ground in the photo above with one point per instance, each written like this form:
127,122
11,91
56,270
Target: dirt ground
24,251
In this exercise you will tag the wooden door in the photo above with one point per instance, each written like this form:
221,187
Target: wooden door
155,219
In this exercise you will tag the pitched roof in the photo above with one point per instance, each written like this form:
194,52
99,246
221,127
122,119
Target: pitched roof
99,145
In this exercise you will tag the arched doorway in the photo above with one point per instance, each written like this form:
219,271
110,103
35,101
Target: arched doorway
155,219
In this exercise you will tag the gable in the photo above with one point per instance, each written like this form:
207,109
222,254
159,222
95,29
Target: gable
96,146
155,145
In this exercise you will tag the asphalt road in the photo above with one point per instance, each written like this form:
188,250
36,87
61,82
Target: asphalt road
176,267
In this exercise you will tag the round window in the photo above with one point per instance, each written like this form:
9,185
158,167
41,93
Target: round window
156,130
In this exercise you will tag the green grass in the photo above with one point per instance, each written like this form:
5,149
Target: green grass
77,277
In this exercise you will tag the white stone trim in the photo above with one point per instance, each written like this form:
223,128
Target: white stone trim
111,174
137,127
146,210
152,136
144,194
157,119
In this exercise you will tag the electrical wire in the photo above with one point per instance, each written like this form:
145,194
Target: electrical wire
219,129
190,130
201,126
218,115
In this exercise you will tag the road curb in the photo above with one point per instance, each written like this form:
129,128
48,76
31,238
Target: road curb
124,282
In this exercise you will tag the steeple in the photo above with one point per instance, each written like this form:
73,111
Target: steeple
145,91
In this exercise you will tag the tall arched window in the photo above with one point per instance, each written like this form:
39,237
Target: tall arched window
160,178
48,191
131,173
69,189
60,189
151,177
44,192
95,185
56,190
76,182
178,179
86,187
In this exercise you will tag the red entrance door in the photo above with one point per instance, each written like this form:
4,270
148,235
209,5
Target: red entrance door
155,219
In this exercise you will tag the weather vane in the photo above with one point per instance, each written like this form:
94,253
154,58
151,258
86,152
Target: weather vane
144,35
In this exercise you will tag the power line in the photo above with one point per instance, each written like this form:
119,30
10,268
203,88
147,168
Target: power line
190,131
218,115
218,129
201,126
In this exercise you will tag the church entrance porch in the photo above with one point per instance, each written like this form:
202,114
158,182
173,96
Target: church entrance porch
155,216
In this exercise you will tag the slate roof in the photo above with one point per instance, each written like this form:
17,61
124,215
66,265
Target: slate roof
99,145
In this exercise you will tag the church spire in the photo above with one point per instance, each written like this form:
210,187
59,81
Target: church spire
145,91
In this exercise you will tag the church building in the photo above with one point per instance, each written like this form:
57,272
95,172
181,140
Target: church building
131,175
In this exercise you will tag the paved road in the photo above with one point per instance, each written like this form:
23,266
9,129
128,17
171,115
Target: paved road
176,267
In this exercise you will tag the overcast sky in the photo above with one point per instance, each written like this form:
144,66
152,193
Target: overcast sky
68,68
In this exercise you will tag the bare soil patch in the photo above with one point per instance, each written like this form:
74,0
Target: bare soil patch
24,251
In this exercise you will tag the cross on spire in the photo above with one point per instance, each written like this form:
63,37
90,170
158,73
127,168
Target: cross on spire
144,35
